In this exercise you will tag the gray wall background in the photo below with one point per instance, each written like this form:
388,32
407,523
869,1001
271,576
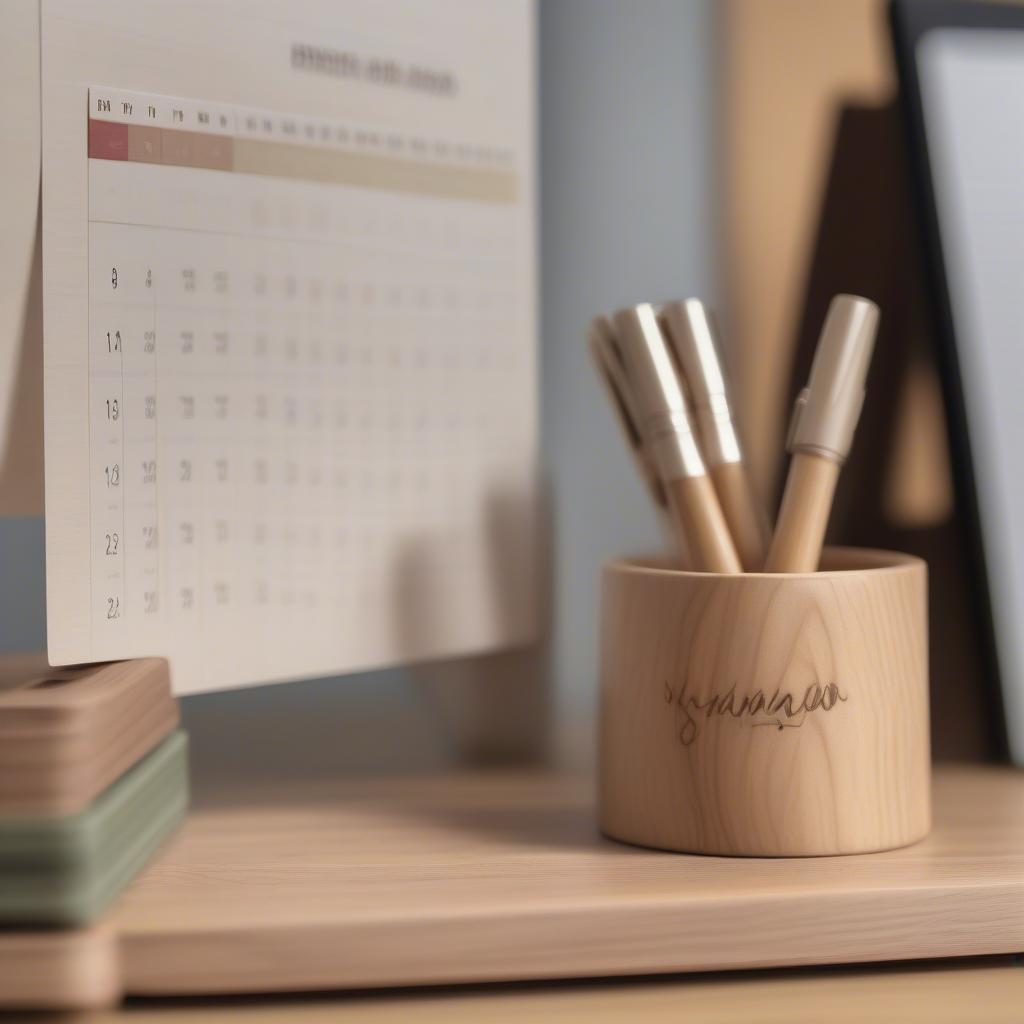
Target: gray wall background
627,201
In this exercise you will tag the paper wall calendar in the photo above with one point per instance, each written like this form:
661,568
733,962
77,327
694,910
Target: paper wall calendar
289,334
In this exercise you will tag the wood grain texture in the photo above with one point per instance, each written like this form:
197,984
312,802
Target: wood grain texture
490,876
743,513
991,988
766,715
803,515
66,734
59,969
705,535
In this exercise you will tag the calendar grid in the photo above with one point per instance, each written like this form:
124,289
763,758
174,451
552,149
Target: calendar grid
323,389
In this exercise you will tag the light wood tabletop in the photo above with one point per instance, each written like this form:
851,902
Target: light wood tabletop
493,876
306,884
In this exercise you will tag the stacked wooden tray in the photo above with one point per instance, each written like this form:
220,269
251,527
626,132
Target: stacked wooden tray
93,778
66,734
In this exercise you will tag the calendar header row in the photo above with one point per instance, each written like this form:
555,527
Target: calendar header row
121,106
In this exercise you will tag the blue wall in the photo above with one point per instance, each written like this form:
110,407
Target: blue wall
627,207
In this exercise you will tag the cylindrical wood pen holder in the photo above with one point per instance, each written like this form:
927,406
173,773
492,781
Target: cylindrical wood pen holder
766,715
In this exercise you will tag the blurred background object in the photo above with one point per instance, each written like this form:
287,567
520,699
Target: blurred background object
819,199
786,69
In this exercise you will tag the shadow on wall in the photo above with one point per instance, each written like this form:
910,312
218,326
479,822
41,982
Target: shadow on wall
422,719
494,706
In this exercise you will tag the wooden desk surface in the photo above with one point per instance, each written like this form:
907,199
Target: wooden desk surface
502,876
485,876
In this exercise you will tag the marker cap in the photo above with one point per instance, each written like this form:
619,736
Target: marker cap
826,411
604,349
691,333
662,414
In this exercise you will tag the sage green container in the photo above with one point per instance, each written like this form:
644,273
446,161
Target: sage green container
67,870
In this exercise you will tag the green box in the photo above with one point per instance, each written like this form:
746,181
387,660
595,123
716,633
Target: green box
67,871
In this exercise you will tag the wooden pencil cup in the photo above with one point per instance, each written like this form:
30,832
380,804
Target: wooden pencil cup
766,715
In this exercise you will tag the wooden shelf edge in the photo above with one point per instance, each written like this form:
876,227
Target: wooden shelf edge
542,945
60,970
